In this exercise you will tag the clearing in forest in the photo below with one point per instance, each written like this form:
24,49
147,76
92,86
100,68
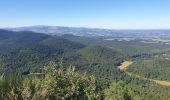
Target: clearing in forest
125,64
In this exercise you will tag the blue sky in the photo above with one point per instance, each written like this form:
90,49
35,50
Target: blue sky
115,14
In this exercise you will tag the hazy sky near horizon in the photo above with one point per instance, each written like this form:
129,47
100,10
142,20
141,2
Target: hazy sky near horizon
115,14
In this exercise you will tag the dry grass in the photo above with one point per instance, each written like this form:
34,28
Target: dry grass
125,64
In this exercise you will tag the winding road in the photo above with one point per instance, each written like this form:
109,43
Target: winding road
124,65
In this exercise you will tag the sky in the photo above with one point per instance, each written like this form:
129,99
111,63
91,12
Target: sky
111,14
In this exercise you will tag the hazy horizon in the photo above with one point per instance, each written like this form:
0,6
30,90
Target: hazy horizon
85,27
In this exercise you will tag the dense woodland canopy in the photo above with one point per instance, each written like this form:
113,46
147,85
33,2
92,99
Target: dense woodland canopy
35,64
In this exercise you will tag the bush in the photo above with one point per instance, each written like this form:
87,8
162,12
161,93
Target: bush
56,84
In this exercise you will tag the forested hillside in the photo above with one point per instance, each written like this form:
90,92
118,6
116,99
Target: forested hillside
28,50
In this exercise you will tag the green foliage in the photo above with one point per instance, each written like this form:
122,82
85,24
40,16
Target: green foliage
119,91
57,83
10,87
67,84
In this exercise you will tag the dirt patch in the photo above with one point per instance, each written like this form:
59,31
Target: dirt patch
163,83
125,65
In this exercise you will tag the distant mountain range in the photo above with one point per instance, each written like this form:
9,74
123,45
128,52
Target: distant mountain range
89,32
59,30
